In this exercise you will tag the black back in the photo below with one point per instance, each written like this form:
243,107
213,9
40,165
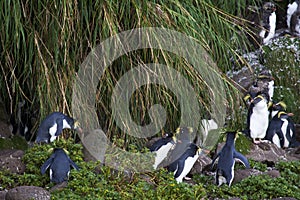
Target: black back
55,117
179,163
59,162
162,141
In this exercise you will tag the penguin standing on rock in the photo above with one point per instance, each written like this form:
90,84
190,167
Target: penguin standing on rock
226,160
52,126
281,130
59,164
183,165
258,118
185,136
268,22
161,148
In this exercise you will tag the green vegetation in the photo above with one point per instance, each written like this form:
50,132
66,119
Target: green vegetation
95,181
16,142
282,57
43,44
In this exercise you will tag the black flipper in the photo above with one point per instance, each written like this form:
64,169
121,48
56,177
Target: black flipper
46,165
281,138
241,158
180,165
59,129
73,164
213,161
173,166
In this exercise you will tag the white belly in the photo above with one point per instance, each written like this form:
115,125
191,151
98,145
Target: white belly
161,154
276,140
188,165
272,20
284,131
259,121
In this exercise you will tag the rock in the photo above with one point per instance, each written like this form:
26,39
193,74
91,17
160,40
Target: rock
273,173
27,193
11,160
202,164
241,174
244,173
268,152
294,153
2,194
243,78
59,186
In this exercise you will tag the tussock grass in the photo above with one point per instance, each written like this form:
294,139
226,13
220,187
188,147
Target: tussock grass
44,43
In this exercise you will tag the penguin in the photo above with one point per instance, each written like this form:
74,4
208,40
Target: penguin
295,23
52,126
281,129
161,148
185,136
291,9
268,22
59,164
258,118
183,165
21,123
265,81
226,160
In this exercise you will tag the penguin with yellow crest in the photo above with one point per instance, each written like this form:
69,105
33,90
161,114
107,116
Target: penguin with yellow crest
258,117
281,130
184,154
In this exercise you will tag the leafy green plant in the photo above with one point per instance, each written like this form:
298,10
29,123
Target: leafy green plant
95,181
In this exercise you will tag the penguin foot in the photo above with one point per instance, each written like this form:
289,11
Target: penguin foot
264,141
256,141
187,178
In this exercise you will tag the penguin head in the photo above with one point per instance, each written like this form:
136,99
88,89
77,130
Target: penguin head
280,106
259,98
269,7
75,125
56,150
167,135
185,133
231,135
265,75
253,91
284,115
170,135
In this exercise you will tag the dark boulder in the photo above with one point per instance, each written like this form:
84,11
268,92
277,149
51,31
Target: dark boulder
11,160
